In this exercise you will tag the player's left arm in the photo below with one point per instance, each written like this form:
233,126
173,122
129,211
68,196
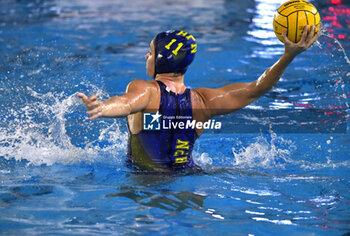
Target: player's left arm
272,75
135,99
233,97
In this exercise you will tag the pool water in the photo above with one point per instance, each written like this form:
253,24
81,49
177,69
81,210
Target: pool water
278,167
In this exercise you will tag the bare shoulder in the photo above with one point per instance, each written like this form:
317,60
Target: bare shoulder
205,91
139,84
204,95
199,99
214,101
144,94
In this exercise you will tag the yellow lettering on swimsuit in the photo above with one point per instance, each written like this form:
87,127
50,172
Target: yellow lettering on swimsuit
178,48
181,160
169,44
182,144
180,151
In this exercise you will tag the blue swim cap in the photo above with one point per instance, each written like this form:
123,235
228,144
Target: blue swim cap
174,50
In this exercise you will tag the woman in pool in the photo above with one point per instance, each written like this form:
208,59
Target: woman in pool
164,146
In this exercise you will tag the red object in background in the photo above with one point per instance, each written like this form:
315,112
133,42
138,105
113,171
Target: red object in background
336,2
336,24
327,18
332,15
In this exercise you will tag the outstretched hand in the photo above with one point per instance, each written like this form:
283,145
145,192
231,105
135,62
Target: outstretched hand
306,41
94,106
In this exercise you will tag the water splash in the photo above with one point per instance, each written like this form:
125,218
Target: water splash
333,47
336,41
266,152
276,152
202,159
48,130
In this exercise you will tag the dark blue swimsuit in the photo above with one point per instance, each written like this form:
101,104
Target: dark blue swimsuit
167,148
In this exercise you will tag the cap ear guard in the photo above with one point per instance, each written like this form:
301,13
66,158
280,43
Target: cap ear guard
174,51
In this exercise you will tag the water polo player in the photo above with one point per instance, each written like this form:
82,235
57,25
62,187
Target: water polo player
166,97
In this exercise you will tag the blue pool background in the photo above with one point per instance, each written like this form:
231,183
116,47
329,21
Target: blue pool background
62,174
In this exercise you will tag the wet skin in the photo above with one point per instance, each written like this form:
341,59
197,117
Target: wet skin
144,96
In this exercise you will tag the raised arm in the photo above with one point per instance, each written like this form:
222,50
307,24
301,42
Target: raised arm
233,97
135,99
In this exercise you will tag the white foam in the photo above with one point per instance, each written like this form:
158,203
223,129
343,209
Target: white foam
264,153
256,192
37,132
276,152
203,159
215,215
278,222
253,202
254,213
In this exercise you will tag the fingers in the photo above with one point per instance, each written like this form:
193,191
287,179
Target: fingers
311,33
311,38
90,102
95,113
93,104
314,38
303,36
86,99
92,98
285,38
82,96
307,39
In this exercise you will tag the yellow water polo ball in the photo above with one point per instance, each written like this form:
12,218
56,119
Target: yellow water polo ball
292,16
